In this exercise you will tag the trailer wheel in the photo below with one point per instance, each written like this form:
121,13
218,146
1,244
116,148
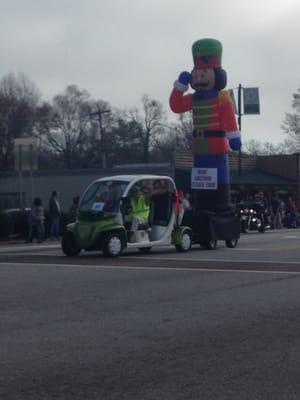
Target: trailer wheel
232,243
209,245
244,228
69,246
112,245
185,243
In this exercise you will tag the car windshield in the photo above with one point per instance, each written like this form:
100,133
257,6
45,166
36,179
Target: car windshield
103,196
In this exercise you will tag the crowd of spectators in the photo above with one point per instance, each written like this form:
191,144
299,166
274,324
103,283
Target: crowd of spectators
279,212
37,218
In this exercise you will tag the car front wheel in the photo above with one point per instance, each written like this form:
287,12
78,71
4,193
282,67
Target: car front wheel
112,245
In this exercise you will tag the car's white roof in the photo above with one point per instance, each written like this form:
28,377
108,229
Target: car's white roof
130,178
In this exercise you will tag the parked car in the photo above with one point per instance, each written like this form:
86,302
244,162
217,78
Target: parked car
14,222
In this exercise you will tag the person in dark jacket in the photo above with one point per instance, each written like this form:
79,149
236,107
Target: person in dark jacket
54,215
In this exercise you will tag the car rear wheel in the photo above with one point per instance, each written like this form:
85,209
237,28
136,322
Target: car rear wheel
262,228
69,246
185,243
112,245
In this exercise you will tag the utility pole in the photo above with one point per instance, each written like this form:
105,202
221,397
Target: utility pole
99,114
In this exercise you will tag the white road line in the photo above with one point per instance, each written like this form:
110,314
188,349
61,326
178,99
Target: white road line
290,237
122,267
20,255
11,252
248,249
213,260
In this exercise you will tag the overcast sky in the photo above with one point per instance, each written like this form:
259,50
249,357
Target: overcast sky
119,50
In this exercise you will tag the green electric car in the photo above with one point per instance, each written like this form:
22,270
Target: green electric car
125,212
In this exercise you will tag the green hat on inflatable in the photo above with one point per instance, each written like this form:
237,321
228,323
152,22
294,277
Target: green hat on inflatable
207,53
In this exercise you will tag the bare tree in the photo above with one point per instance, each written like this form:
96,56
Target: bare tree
70,124
256,147
19,101
184,131
291,123
269,148
253,147
286,147
151,123
124,139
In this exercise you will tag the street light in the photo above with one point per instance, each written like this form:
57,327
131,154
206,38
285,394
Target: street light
99,114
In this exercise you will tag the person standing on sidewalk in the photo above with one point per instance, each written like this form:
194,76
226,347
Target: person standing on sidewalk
54,215
36,221
276,215
291,213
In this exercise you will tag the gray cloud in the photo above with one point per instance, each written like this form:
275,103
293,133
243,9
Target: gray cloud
119,50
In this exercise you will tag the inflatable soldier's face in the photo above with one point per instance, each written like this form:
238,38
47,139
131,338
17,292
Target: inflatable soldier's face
203,79
207,55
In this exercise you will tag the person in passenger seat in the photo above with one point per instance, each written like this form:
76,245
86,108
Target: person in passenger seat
157,187
161,204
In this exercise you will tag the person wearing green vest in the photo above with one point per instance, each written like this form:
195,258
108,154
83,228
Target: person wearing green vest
139,209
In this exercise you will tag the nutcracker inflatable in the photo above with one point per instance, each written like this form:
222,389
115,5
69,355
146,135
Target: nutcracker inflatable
214,124
215,131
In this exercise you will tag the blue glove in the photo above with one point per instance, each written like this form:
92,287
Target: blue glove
185,78
235,143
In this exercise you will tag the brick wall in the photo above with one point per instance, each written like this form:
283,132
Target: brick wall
282,165
184,160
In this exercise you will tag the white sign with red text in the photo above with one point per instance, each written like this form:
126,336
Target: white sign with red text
204,178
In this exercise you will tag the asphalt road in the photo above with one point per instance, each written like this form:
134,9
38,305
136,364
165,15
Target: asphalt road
220,324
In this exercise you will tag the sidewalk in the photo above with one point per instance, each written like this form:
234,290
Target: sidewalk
18,241
57,243
21,246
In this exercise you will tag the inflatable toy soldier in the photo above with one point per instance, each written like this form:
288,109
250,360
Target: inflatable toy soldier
214,123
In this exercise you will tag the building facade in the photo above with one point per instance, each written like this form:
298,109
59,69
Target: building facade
276,174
